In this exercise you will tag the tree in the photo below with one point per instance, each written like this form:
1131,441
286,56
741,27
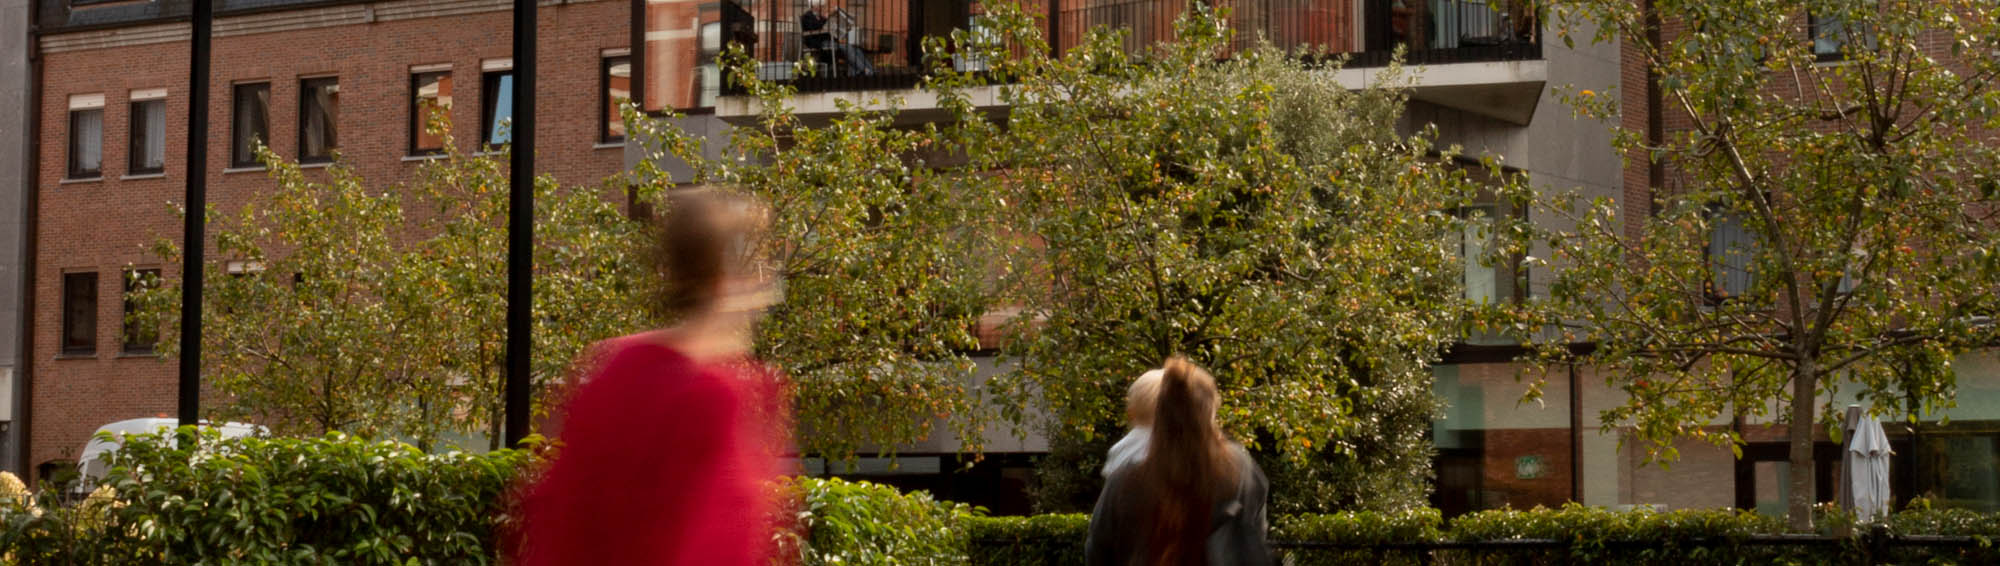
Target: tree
882,255
331,306
1821,226
1248,213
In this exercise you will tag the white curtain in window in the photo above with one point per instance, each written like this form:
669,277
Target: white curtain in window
1828,34
156,135
87,140
1481,283
1730,248
320,133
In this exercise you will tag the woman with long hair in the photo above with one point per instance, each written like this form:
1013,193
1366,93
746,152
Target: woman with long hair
668,442
1197,499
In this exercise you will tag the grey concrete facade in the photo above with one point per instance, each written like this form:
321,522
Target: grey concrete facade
16,175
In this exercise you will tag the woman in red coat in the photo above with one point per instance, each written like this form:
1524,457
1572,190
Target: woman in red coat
669,442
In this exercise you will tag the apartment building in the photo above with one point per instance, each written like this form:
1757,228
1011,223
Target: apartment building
1486,75
316,81
1482,76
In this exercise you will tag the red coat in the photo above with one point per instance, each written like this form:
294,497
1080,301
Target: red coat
664,460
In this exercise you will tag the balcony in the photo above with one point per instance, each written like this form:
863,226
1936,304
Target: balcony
886,36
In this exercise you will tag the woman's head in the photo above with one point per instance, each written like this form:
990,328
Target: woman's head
1142,397
706,253
1188,467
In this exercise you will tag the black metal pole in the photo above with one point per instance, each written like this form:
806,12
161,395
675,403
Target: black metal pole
194,235
521,223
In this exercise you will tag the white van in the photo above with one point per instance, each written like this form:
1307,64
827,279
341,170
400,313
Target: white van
93,463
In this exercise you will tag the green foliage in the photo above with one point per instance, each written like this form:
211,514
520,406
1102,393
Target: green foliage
881,258
1862,194
1249,213
336,499
842,522
1356,528
1052,540
336,306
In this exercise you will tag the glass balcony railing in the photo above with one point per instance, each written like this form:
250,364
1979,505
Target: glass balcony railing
878,44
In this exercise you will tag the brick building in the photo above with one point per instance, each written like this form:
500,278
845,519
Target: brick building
1485,77
309,78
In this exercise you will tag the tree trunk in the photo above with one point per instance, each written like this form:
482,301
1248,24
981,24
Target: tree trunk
1799,506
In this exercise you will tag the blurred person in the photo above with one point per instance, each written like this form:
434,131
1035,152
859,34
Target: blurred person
1196,499
1139,401
672,435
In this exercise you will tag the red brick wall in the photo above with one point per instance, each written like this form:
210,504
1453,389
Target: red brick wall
105,225
1500,480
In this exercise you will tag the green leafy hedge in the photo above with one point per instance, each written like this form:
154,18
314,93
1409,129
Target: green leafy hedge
1053,540
330,500
835,521
340,499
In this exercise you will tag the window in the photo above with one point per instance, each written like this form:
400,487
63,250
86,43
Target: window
496,109
430,99
251,124
139,338
319,112
86,136
1481,279
79,322
1832,33
148,153
617,89
1730,248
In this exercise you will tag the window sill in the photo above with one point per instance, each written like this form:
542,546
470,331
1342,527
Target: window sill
316,165
142,176
231,170
609,145
125,355
425,157
67,181
61,357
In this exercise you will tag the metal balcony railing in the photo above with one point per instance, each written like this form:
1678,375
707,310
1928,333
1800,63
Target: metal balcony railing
887,35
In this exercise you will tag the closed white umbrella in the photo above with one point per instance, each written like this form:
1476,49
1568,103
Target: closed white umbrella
1867,469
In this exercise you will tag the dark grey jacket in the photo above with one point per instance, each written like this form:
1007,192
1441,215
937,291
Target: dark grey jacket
1237,526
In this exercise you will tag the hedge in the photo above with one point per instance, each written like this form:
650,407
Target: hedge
331,500
340,499
833,521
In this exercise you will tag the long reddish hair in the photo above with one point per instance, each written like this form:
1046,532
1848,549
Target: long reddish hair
1188,467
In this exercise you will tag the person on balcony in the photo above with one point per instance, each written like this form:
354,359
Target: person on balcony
821,40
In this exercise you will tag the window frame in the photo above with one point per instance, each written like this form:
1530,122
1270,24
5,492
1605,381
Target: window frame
1716,289
73,167
236,91
136,148
307,102
71,322
1842,45
605,100
126,328
489,98
415,103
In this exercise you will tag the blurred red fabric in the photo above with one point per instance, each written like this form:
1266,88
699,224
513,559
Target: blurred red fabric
664,460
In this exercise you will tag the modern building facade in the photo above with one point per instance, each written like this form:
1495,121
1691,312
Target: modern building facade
312,79
1487,76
